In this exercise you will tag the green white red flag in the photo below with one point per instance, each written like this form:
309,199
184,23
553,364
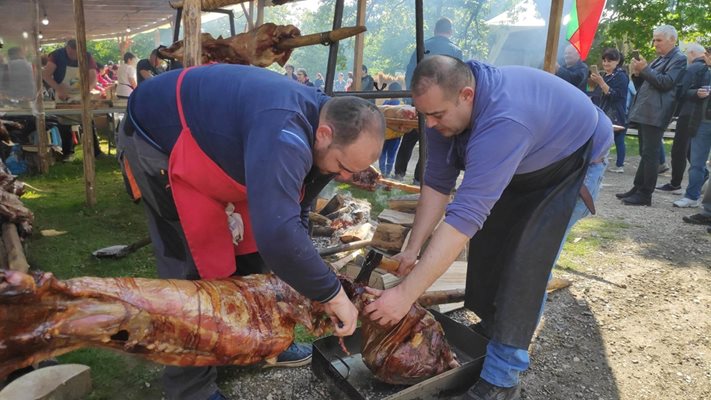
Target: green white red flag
584,19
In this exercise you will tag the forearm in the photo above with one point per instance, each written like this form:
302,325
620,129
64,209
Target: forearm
429,212
444,247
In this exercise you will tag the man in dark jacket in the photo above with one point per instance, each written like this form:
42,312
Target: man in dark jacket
695,71
652,109
437,44
575,71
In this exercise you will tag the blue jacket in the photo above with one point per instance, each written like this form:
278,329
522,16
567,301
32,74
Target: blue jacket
576,74
614,103
259,128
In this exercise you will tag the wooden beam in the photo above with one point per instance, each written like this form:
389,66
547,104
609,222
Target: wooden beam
13,246
260,13
86,122
43,164
553,35
358,49
191,33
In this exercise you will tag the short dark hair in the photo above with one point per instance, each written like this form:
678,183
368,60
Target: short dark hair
128,56
14,53
443,25
351,115
72,43
449,73
612,54
364,68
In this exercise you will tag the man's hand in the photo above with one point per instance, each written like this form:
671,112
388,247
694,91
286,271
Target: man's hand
343,314
702,92
637,65
407,259
61,92
391,306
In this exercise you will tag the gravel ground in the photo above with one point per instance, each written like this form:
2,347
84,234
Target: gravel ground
635,325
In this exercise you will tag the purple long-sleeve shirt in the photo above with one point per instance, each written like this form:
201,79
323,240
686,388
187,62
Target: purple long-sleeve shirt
523,119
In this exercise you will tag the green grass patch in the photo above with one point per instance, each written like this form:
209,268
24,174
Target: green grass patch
589,235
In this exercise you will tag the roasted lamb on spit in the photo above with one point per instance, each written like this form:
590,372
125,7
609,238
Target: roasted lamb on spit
256,47
234,321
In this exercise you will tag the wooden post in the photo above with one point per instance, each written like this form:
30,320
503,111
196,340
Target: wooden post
43,164
553,35
358,57
13,246
86,123
191,33
260,13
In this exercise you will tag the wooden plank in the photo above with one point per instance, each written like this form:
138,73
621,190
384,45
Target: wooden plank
358,48
553,37
353,234
191,33
397,217
13,245
454,278
389,237
58,382
407,203
87,126
42,161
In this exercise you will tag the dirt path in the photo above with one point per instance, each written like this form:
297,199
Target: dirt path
635,325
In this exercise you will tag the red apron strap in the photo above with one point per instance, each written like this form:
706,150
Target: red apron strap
201,191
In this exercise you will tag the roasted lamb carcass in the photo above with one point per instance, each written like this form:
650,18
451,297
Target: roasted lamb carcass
413,350
256,47
236,321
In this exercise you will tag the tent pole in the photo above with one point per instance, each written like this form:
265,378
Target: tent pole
43,164
553,35
86,118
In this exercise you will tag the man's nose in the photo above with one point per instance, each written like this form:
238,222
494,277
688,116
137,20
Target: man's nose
430,122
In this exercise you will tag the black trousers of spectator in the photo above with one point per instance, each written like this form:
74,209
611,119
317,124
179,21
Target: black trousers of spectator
65,132
404,153
650,140
680,149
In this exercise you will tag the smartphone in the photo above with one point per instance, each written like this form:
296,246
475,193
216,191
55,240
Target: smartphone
593,69
635,54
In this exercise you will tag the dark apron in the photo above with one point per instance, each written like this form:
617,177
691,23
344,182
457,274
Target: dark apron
511,257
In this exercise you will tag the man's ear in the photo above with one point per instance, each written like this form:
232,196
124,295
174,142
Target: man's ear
467,94
324,135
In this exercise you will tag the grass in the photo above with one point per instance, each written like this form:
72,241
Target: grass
115,219
588,236
632,147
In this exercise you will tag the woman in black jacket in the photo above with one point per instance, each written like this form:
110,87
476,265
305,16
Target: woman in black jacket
612,92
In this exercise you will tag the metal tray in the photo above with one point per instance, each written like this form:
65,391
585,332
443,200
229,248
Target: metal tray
348,376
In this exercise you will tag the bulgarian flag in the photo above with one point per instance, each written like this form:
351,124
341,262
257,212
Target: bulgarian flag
584,18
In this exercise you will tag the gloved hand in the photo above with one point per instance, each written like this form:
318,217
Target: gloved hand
234,221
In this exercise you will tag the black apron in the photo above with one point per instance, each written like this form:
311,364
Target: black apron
511,257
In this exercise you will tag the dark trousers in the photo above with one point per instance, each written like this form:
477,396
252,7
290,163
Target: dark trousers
680,149
404,153
65,132
650,140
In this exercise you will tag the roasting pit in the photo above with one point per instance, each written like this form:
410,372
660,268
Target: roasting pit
348,377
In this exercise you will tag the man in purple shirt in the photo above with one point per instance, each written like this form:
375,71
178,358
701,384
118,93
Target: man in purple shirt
525,140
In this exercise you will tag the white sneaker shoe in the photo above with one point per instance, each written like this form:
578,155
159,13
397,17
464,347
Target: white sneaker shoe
686,202
618,170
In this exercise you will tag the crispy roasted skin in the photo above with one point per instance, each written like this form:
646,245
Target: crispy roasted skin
409,352
256,47
236,321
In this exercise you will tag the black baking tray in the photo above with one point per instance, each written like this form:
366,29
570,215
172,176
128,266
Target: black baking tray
348,377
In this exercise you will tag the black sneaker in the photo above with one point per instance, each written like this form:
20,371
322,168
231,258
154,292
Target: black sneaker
637,199
668,187
698,219
483,390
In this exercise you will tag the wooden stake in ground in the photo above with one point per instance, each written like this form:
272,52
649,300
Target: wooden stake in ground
13,246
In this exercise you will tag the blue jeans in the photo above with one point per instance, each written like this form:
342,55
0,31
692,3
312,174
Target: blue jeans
503,363
700,147
621,147
387,156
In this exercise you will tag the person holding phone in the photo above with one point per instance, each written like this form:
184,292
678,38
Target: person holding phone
611,91
652,109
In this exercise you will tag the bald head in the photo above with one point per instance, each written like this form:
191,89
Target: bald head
449,73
